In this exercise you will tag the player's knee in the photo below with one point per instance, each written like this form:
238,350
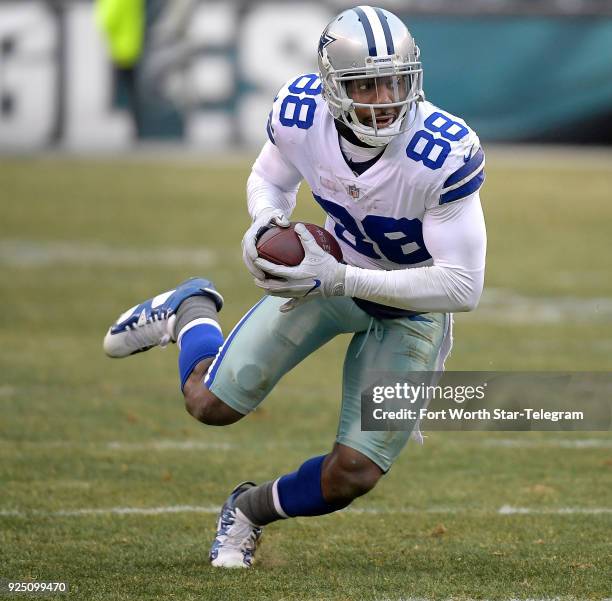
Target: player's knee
253,379
349,484
204,406
348,474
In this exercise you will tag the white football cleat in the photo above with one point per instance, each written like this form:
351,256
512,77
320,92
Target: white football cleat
236,540
151,323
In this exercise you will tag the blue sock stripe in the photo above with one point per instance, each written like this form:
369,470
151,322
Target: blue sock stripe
200,342
212,372
300,493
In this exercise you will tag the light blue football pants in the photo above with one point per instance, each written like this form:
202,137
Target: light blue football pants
266,344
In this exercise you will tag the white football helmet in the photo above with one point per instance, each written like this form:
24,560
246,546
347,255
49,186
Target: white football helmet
369,60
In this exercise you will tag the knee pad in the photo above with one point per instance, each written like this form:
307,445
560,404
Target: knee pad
253,378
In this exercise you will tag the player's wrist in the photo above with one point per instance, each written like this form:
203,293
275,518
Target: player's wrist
336,285
267,214
264,213
351,274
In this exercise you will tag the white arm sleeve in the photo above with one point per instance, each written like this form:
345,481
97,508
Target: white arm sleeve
273,183
455,237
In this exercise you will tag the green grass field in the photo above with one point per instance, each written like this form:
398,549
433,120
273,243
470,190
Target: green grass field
85,441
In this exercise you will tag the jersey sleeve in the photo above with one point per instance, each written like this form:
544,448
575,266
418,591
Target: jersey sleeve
462,173
293,111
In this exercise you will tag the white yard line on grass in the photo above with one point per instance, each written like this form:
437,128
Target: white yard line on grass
122,446
212,509
204,445
511,307
31,253
113,511
510,510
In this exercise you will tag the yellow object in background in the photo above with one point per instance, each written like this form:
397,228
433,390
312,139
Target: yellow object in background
122,22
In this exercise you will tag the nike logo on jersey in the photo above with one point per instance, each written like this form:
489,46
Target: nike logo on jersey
468,156
317,283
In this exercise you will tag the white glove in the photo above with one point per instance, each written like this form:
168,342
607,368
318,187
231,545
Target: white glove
249,251
319,274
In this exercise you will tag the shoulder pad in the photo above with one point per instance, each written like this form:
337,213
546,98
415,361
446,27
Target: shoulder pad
295,106
451,152
467,179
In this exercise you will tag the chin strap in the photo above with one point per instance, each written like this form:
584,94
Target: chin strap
348,134
375,141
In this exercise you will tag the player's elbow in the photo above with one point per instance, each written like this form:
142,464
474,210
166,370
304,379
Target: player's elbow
466,305
466,290
469,298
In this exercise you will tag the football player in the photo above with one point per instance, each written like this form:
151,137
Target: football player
399,180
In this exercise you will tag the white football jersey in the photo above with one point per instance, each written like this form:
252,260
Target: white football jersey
377,216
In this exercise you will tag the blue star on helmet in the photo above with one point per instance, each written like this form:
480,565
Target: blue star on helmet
325,41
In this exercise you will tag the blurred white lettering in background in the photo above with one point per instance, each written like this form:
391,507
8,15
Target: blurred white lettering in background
28,75
218,67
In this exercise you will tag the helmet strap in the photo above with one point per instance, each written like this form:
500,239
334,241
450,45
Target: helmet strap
349,135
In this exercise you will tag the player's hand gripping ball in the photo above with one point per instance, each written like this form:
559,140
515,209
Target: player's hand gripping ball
302,262
282,246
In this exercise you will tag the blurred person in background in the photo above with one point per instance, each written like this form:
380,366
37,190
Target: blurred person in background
123,22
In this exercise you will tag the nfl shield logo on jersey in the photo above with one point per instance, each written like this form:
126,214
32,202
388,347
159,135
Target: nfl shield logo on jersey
353,191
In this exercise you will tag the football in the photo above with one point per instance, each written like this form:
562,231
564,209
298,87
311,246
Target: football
281,245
